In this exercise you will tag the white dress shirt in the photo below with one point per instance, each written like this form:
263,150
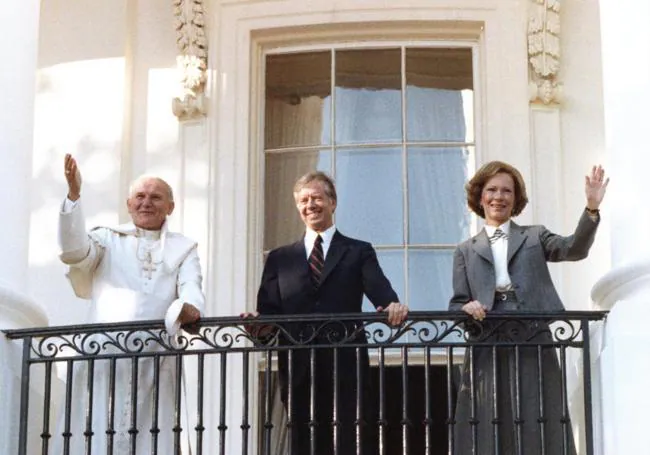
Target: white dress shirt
500,256
327,235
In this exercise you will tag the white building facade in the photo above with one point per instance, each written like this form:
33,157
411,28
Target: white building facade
554,87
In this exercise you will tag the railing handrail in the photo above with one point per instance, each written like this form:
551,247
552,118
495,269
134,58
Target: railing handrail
312,317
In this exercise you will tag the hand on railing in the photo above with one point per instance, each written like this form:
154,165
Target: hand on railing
475,309
257,331
397,313
188,317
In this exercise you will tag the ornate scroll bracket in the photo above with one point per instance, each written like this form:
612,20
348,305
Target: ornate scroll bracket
544,52
191,63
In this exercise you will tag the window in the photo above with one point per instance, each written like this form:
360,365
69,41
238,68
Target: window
394,126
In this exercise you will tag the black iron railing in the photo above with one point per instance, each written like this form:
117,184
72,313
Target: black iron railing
350,384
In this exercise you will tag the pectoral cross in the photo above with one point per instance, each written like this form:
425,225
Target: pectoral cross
148,267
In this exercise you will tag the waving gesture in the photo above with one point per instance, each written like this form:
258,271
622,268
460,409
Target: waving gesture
595,187
73,177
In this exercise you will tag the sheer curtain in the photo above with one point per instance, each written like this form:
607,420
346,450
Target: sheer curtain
437,175
298,123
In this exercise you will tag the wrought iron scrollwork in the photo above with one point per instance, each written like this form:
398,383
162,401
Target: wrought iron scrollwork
217,334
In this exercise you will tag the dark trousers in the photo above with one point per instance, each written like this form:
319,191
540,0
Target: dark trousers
318,434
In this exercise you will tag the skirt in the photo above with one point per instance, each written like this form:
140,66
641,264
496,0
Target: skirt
505,404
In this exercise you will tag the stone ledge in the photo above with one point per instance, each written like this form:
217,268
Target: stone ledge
19,311
621,283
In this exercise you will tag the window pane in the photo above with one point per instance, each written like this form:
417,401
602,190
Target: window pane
439,95
368,96
429,275
438,211
370,195
430,288
298,97
282,221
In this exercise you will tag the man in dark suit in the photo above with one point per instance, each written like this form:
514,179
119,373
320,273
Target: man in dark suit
325,272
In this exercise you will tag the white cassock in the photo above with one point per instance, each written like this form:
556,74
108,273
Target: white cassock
129,274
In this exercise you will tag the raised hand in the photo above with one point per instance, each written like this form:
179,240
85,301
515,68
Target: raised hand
595,187
73,177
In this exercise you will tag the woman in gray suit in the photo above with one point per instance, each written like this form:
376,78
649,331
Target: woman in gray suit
502,406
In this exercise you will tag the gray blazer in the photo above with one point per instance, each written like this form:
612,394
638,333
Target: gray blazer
529,249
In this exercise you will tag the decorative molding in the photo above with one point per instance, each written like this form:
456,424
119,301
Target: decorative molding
544,52
19,311
191,63
621,283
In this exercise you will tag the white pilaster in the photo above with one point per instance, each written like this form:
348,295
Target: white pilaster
626,72
19,23
546,159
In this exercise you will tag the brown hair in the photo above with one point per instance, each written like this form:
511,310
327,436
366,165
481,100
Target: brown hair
474,188
316,176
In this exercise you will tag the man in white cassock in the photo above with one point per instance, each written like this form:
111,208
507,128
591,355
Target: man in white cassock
136,271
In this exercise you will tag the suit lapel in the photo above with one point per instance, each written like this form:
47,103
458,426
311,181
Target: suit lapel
337,249
516,239
481,244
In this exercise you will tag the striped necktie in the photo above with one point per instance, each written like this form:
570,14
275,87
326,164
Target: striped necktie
316,261
498,234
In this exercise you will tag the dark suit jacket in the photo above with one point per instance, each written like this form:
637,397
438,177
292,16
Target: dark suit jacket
529,250
351,270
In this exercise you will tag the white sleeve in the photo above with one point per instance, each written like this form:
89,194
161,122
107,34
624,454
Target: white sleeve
78,248
68,205
189,291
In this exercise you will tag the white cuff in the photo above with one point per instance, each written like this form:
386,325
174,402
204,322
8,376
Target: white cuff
68,205
172,324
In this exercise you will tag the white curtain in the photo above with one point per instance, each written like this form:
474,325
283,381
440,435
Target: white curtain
300,123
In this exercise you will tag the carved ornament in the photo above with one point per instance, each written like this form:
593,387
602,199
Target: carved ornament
544,51
191,63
